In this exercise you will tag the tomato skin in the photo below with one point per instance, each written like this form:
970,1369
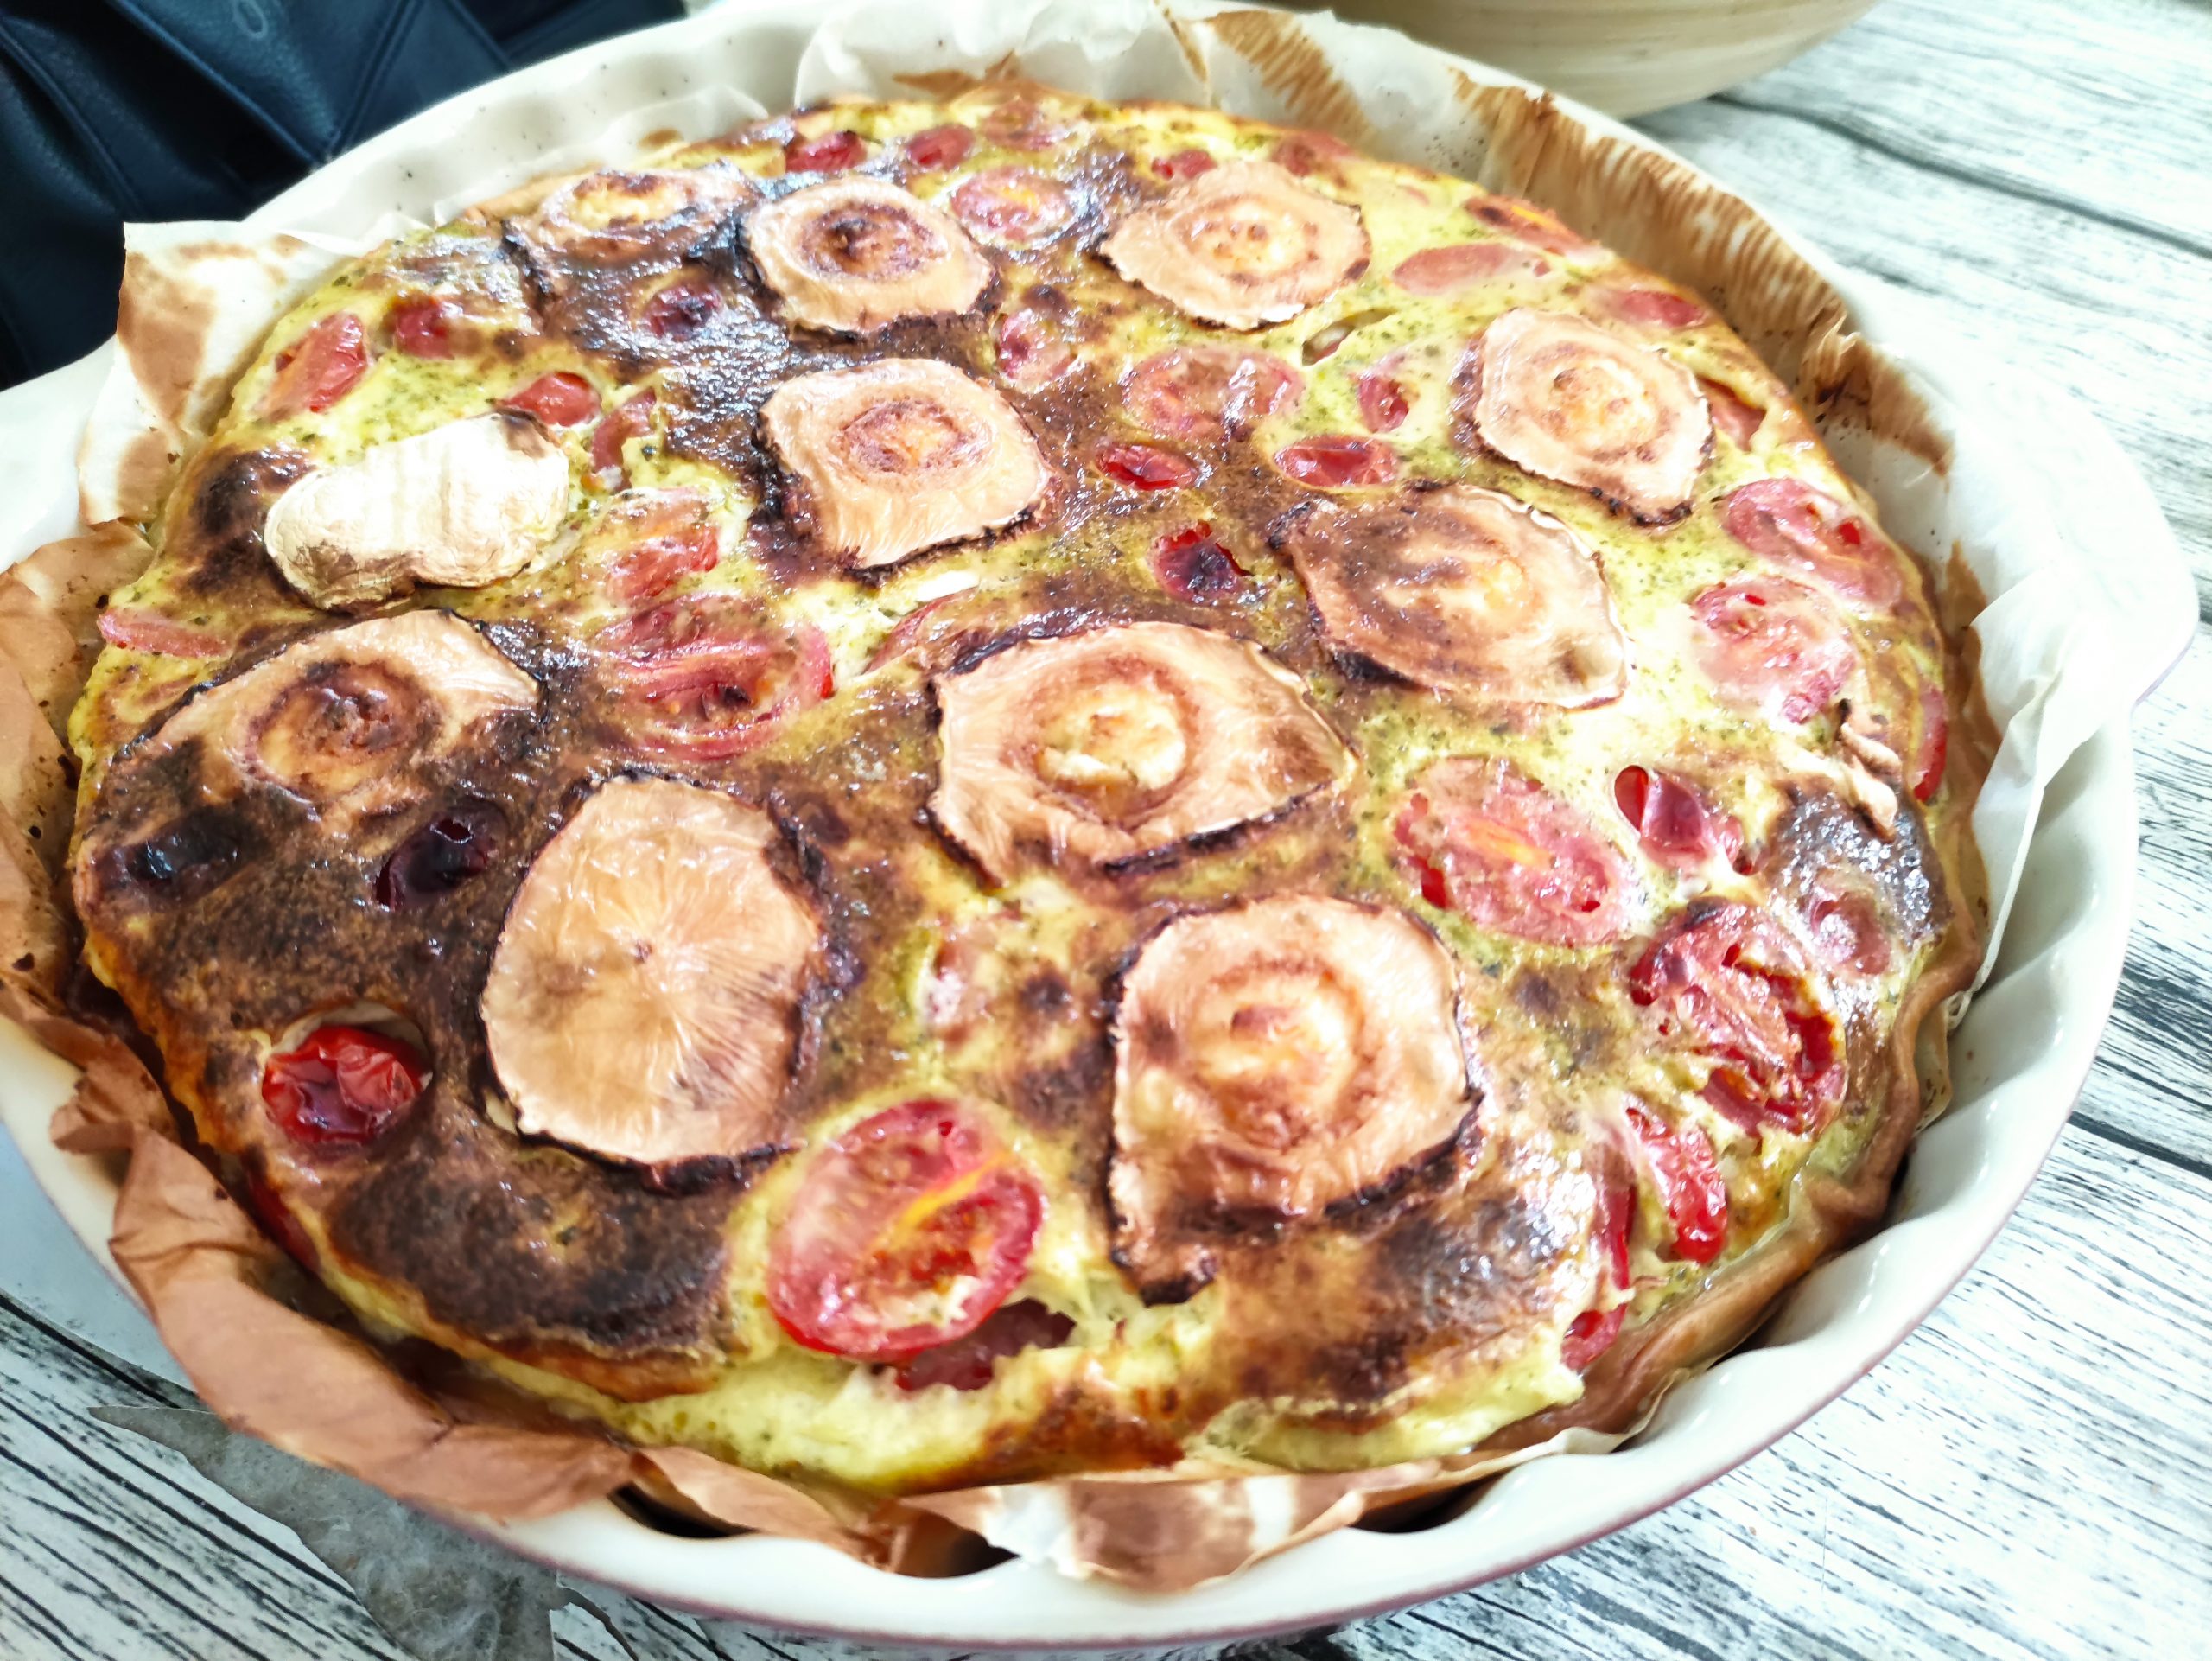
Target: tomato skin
1145,467
683,309
1013,204
447,853
1433,273
1193,564
143,631
969,1363
1592,1332
1200,392
1811,533
1724,982
1307,153
422,325
1338,461
1672,820
1773,645
907,1232
704,678
657,564
1934,744
1657,307
1491,843
1382,403
1525,222
328,363
1848,932
830,152
940,147
1690,1184
1739,421
1184,164
1030,354
632,418
558,399
345,1086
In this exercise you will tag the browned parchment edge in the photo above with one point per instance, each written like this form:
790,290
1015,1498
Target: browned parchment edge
224,1296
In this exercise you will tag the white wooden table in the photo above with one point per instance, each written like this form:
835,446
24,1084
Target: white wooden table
2030,1474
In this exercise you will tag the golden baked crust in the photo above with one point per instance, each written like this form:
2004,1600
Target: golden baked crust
1690,892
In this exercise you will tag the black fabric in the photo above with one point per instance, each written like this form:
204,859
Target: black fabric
115,110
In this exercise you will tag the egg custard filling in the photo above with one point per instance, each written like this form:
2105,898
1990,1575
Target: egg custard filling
920,799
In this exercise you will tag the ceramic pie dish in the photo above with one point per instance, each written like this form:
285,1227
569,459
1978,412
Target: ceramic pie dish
2050,995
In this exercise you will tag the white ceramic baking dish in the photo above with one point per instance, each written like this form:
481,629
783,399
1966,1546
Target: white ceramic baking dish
2020,1058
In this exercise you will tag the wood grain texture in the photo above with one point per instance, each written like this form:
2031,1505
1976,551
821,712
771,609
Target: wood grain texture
2030,1474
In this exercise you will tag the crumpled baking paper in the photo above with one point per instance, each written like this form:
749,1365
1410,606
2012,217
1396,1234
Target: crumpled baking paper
2053,638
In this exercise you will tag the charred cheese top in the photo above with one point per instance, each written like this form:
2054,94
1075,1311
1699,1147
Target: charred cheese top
949,791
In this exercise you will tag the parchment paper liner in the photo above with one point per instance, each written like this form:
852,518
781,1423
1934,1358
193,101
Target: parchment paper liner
197,298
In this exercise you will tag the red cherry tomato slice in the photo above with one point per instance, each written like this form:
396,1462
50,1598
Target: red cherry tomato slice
1382,403
1183,164
1592,1332
1657,307
1307,153
1934,744
328,363
830,152
1808,531
1193,564
683,309
632,418
1773,645
345,1086
706,677
1014,205
144,631
907,1232
1672,820
1729,984
1846,932
1031,354
1489,842
1200,392
940,147
1434,273
1690,1184
1144,466
1338,461
1020,125
969,1363
653,567
422,325
1738,421
559,399
1526,222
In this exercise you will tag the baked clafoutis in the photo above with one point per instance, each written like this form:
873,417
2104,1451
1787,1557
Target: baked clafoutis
956,792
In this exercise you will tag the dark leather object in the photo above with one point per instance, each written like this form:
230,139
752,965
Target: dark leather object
115,110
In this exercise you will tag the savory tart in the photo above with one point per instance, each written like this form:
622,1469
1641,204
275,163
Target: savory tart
953,791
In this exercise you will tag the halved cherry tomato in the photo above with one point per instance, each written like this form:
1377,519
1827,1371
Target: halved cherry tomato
1672,820
1847,930
1526,222
1030,354
1020,125
648,569
1012,205
1731,414
1809,532
558,399
708,677
909,1229
450,851
1434,272
683,309
1199,393
1192,564
344,1085
328,363
422,325
1690,1184
1489,842
1592,1332
1657,307
1382,403
1935,743
1183,164
1730,985
1145,467
830,152
969,1363
632,418
135,630
1307,153
1773,645
1338,461
940,147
